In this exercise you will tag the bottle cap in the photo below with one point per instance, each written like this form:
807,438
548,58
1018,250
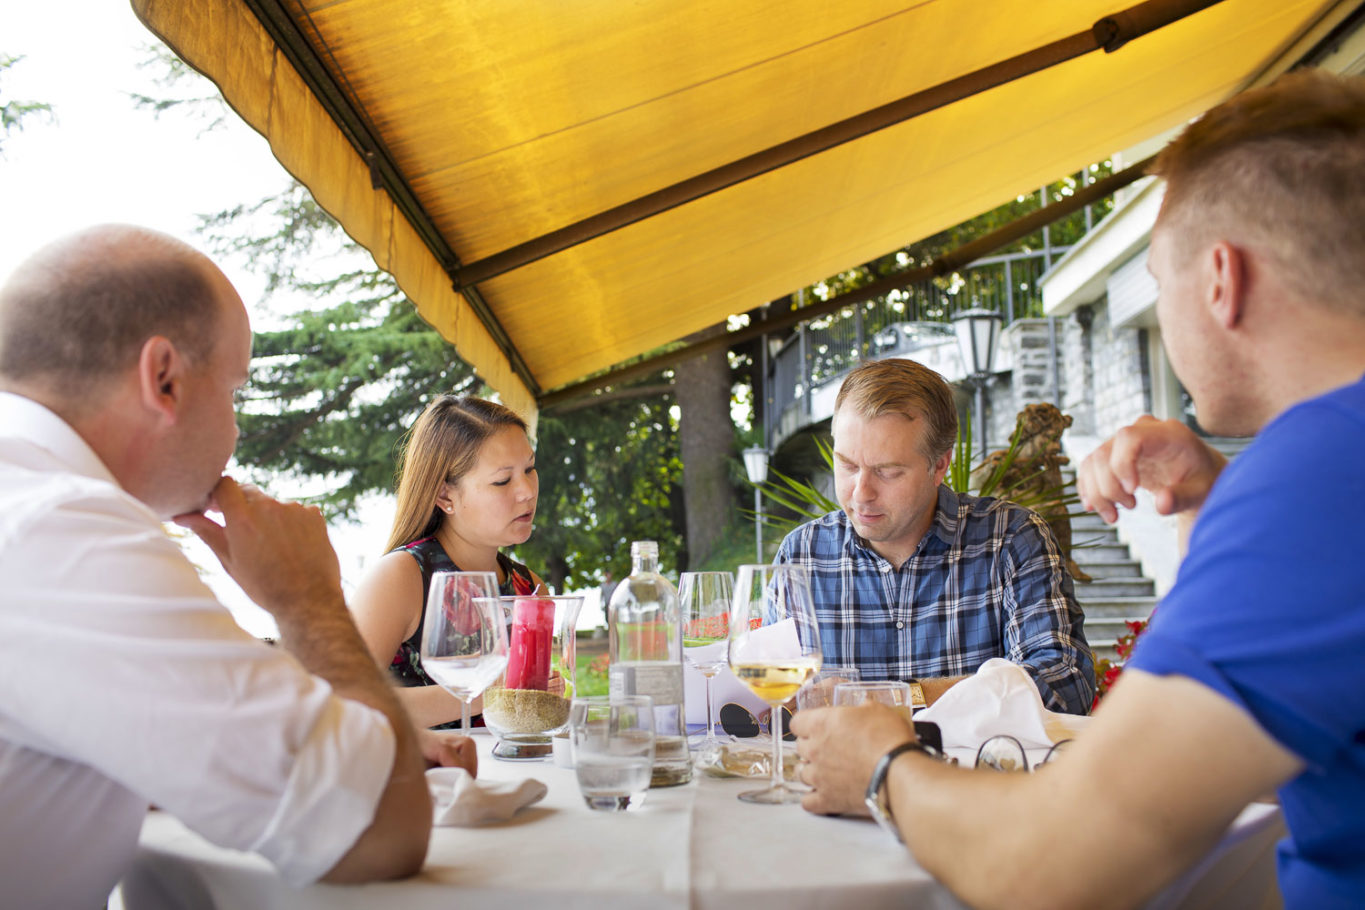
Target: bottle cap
640,548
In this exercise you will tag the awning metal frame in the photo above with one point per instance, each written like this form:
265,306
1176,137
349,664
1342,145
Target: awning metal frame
288,32
949,262
349,116
1108,34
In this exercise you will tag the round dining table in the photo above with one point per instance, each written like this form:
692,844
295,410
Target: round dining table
692,846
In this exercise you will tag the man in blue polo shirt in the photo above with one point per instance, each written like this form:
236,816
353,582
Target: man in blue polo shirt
912,580
1250,679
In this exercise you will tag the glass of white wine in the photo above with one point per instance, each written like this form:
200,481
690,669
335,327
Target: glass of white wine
774,649
704,600
464,636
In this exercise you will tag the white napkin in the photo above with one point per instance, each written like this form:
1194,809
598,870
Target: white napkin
458,799
999,698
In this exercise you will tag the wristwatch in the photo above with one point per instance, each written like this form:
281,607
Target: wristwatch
917,702
876,799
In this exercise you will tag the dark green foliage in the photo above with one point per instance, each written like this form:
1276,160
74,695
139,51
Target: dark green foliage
331,395
609,474
14,113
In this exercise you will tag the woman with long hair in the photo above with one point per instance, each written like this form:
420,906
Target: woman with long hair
467,487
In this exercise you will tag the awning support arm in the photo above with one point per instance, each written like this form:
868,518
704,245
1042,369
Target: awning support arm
948,262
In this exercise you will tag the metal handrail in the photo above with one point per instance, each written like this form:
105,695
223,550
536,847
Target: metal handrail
825,348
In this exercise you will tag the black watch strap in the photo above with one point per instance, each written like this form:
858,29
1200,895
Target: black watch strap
879,808
874,786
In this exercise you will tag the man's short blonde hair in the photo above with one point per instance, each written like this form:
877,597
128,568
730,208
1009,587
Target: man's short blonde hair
1280,169
899,386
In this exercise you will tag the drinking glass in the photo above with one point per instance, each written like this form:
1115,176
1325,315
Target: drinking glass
774,648
819,691
612,739
704,598
464,639
890,692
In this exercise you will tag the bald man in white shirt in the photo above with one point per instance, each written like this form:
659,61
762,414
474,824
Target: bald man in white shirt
123,682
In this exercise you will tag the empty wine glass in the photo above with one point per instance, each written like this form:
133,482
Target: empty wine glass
774,648
464,637
818,692
705,599
890,692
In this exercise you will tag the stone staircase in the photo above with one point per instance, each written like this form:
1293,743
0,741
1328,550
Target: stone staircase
1119,592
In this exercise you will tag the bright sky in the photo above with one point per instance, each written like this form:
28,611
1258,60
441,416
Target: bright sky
100,160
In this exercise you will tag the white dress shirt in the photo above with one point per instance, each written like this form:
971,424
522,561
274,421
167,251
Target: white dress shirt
123,682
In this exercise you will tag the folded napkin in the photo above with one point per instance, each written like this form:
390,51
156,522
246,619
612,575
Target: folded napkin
999,698
460,800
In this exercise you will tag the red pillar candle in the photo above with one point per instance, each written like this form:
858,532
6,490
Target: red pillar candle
528,660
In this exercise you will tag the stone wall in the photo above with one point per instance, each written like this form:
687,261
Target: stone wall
1030,380
1121,385
1105,381
1078,370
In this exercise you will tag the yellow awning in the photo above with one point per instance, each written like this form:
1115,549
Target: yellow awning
505,120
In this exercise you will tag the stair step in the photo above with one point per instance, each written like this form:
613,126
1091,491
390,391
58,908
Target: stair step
1086,536
1105,588
1115,552
1118,611
1104,649
1117,606
1108,627
1126,568
1089,521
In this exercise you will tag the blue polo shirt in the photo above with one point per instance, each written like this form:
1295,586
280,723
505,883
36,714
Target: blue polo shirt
1269,611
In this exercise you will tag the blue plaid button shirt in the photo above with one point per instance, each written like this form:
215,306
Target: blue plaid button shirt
987,580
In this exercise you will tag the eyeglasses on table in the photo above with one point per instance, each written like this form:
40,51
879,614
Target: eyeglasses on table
1005,753
739,722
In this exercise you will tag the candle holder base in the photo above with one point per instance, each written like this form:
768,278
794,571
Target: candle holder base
523,751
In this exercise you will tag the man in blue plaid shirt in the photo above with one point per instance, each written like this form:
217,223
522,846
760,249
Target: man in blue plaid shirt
912,580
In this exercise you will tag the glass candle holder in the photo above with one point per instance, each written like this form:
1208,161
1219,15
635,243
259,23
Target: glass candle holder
531,702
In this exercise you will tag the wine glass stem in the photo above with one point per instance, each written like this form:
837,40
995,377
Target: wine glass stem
464,716
775,727
710,716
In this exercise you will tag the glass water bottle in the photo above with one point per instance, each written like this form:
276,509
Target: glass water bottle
645,645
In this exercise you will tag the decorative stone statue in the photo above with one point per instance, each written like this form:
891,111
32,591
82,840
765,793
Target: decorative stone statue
1033,477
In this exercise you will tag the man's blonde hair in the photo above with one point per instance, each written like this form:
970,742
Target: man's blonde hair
1280,169
899,386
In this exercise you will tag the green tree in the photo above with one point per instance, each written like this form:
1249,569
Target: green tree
14,112
610,472
331,395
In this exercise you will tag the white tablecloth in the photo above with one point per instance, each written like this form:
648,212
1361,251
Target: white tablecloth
692,846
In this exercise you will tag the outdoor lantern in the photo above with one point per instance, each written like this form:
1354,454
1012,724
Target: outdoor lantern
978,332
756,464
